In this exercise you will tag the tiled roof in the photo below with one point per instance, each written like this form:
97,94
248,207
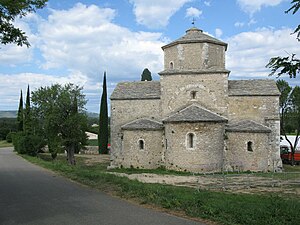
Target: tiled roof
252,87
136,90
143,124
194,113
247,126
195,35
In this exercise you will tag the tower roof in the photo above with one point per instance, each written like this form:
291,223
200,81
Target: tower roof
193,114
195,35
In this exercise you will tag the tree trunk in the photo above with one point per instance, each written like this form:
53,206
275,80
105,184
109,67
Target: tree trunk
70,153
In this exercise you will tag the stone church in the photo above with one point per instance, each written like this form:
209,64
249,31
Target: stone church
196,119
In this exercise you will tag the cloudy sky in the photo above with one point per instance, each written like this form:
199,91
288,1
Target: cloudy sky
76,41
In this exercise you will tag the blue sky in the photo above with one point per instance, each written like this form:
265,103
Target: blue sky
76,41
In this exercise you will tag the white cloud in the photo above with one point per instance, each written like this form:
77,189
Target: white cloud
251,22
17,82
193,12
207,3
94,45
249,52
252,6
156,13
218,32
239,24
82,41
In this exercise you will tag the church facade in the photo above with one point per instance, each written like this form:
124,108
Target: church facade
196,119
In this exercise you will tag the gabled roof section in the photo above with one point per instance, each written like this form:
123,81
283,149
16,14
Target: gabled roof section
193,114
195,35
136,90
252,87
143,124
247,126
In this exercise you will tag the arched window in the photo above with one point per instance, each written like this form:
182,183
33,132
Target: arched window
190,140
171,65
141,144
193,94
250,146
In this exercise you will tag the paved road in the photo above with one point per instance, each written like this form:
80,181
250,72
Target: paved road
31,195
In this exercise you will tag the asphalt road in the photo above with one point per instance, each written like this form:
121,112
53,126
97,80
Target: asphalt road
31,195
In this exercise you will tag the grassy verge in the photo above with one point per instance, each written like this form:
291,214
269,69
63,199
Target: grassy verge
5,144
92,142
225,208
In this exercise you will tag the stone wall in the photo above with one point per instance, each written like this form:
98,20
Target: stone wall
237,154
256,108
193,56
207,154
265,110
150,157
211,92
124,111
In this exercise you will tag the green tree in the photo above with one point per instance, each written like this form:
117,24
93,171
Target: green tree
146,75
60,112
295,111
9,11
20,116
27,114
289,65
289,103
103,121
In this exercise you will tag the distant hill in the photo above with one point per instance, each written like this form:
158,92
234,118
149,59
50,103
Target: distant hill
8,114
92,115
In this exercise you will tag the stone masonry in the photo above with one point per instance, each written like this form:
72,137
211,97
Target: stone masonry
194,118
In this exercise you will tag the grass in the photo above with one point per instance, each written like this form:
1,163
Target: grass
289,168
222,207
92,142
5,144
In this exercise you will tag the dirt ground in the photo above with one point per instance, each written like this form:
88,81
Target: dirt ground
239,183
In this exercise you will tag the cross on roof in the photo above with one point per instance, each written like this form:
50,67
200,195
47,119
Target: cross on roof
193,21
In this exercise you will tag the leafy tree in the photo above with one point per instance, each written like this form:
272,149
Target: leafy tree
9,11
289,102
146,75
60,112
7,125
287,65
20,116
103,121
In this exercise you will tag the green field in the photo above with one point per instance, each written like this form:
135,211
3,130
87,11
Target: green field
222,207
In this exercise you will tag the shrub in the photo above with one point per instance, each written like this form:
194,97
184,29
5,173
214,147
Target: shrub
27,143
9,137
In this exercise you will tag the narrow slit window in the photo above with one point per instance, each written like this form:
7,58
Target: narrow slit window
171,65
193,94
250,146
141,144
190,140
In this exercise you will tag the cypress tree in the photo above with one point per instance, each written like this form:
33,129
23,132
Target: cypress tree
20,116
103,121
146,75
27,114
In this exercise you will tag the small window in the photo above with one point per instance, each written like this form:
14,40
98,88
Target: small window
141,144
193,94
171,65
190,140
250,146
